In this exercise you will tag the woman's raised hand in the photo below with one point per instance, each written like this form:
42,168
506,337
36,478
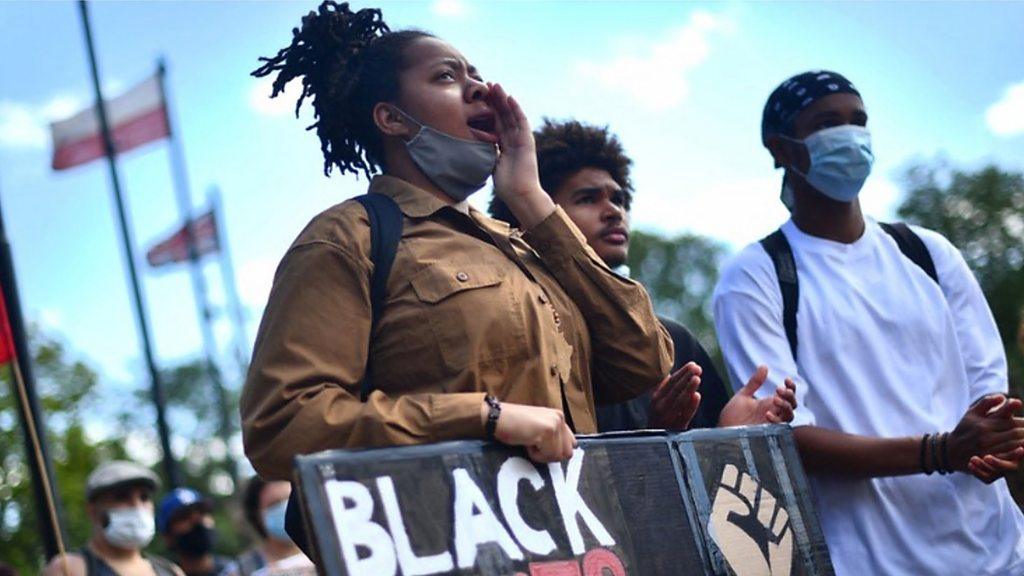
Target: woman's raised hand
516,179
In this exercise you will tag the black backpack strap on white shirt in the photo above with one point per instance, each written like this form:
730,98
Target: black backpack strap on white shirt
912,247
781,253
778,248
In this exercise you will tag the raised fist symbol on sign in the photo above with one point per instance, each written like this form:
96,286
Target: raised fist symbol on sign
750,527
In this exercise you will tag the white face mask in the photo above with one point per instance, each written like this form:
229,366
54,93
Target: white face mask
129,528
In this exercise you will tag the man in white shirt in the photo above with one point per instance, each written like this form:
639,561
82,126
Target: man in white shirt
899,375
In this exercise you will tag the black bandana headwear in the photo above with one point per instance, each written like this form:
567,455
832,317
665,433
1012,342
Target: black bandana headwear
796,94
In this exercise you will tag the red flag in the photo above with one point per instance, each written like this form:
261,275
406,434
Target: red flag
136,117
6,338
175,248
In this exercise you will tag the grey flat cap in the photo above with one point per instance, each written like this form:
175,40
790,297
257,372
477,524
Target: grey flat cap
119,472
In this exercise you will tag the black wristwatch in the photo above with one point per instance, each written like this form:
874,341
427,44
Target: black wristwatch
492,416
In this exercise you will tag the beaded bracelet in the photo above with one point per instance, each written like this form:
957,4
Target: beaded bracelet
936,465
945,454
922,461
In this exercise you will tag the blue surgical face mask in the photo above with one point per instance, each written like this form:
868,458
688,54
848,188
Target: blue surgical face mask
273,521
456,166
841,160
787,196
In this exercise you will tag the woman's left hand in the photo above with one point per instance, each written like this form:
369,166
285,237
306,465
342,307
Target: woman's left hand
516,179
744,409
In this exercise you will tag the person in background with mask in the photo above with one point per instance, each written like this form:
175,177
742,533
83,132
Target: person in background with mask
264,504
901,378
587,173
119,503
186,522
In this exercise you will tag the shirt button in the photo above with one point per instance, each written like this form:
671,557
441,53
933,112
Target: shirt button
554,369
558,319
543,298
462,276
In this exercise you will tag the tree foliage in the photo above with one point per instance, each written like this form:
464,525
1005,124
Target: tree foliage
982,214
679,273
194,414
70,396
66,390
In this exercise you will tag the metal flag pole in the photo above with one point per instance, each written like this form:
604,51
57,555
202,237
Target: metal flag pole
170,466
184,198
37,454
227,270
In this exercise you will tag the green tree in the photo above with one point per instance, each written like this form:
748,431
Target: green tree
66,390
70,398
982,214
679,273
194,409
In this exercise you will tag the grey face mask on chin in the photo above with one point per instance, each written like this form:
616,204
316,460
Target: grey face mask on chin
456,166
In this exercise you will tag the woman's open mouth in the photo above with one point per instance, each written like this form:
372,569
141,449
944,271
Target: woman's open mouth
484,126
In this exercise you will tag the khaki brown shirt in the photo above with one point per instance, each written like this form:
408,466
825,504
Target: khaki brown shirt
473,308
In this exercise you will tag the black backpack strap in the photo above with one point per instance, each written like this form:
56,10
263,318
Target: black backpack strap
92,564
778,248
385,234
912,247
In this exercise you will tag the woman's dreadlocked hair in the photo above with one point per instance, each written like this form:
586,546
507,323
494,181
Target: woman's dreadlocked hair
348,61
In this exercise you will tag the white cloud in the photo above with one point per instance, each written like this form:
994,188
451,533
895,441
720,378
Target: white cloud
24,125
254,280
738,211
657,75
1006,117
62,107
51,319
112,88
449,8
880,197
27,125
21,126
284,103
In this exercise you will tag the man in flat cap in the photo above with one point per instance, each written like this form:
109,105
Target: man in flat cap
903,416
119,503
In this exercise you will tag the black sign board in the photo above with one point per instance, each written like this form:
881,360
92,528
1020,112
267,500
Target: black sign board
731,501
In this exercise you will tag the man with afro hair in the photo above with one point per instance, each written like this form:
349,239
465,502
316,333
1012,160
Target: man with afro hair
586,172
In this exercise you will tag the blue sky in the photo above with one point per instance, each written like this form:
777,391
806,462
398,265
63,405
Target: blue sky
681,83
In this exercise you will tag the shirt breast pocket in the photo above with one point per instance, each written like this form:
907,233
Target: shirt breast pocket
472,312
